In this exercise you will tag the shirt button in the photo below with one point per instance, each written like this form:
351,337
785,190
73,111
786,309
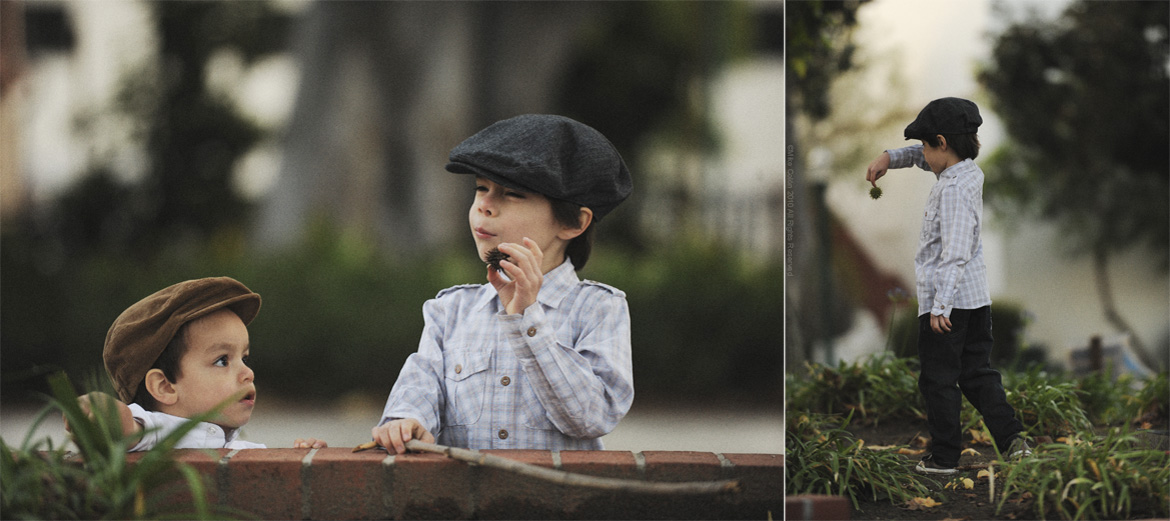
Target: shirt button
505,381
458,368
532,331
503,434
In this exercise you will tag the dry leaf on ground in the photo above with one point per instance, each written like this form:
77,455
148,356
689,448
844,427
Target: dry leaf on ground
921,503
979,437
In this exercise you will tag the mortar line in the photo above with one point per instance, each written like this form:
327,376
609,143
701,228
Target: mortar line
640,464
306,489
387,488
556,459
726,466
222,476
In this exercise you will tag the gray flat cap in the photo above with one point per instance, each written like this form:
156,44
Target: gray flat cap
550,155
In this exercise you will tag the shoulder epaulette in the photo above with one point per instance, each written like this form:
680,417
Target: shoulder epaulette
604,286
453,289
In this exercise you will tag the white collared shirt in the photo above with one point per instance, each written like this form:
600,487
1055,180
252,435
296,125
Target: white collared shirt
157,425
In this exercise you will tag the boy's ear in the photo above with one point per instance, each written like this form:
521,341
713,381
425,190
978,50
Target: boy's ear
942,142
584,219
160,388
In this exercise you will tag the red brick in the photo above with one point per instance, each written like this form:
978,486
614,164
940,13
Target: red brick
176,498
346,485
502,494
761,481
806,507
265,483
541,458
605,463
430,486
682,466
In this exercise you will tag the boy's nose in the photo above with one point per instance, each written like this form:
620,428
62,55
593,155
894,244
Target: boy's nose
247,375
486,206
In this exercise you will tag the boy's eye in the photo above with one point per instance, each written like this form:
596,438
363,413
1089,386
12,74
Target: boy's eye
245,359
517,195
221,361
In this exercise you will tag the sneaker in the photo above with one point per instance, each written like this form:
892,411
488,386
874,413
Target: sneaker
1019,448
928,466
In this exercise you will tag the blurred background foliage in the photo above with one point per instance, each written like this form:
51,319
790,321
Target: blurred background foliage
340,317
341,312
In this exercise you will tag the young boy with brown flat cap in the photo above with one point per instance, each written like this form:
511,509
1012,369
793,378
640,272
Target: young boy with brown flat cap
536,358
954,303
179,353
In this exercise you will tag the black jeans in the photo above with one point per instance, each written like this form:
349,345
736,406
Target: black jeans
961,360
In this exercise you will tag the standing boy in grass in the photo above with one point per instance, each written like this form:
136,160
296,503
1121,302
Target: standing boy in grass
180,353
536,358
954,304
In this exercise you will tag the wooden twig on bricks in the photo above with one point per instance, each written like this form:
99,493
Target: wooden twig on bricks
561,477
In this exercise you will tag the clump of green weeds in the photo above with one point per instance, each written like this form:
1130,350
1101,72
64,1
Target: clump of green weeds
38,481
1151,404
877,388
1085,478
1104,398
1046,404
821,457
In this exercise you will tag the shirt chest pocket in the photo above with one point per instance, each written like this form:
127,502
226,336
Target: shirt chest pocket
930,223
465,373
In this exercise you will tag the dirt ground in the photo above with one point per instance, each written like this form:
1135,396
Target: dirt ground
973,504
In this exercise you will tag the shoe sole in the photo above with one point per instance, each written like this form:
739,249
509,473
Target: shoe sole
938,472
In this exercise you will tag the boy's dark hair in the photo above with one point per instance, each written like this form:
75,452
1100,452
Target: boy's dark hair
966,146
168,362
569,214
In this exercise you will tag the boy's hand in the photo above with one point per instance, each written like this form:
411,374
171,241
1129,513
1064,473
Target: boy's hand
104,402
311,443
940,324
877,168
394,434
524,268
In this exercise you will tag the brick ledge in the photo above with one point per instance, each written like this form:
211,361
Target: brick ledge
335,483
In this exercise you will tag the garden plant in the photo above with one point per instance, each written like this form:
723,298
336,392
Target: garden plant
39,481
1099,445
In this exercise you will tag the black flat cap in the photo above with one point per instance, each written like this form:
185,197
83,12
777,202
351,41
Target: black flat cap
945,116
554,156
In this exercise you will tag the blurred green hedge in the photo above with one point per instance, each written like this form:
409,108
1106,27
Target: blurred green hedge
339,317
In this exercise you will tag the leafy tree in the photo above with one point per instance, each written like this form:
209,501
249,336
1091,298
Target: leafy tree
634,76
1085,99
192,135
819,48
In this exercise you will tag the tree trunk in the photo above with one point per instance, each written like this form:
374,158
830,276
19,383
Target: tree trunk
1105,292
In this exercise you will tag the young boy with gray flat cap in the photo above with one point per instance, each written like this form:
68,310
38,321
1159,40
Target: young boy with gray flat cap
536,358
954,304
179,353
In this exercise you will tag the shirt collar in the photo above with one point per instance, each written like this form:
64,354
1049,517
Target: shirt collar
956,169
555,287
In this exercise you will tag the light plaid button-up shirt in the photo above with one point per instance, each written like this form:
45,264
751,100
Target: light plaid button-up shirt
949,265
557,377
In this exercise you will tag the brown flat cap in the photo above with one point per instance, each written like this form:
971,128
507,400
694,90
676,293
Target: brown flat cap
139,335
